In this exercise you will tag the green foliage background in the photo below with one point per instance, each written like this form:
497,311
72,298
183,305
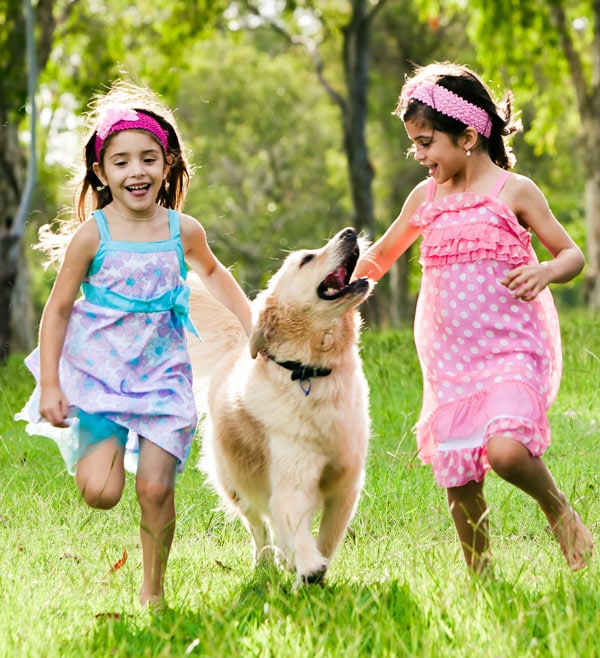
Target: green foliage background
271,172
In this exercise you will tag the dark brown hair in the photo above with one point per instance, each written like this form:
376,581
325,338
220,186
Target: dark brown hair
468,85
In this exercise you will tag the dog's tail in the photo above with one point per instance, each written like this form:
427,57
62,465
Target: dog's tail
220,330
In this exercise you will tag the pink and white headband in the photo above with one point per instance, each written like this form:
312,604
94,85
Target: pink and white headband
121,117
452,105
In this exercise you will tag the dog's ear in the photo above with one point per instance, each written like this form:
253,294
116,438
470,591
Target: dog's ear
258,341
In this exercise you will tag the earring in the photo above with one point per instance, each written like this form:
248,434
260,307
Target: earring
468,153
100,188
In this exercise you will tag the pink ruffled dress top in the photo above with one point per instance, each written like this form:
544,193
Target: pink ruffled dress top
491,363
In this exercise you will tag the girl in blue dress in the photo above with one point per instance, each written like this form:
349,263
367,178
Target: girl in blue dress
112,367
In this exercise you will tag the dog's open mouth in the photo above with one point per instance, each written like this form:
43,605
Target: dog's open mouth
337,283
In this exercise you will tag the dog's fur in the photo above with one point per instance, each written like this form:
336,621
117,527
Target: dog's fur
278,450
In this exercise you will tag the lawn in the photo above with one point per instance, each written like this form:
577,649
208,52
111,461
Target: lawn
398,586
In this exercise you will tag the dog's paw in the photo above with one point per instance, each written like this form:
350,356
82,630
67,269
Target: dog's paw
312,578
315,577
313,573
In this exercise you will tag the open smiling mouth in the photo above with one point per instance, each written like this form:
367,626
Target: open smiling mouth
337,283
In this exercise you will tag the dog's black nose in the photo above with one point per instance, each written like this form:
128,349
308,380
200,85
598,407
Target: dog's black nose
347,233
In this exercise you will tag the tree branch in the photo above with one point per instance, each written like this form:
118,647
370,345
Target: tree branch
573,59
311,47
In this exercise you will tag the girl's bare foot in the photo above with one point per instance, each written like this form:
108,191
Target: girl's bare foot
151,601
576,541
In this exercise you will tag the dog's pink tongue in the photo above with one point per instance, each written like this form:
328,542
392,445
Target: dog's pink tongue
335,279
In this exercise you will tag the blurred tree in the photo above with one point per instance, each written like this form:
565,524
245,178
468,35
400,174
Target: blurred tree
310,24
270,176
13,110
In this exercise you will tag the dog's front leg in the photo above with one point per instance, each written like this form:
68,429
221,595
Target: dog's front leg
293,504
337,513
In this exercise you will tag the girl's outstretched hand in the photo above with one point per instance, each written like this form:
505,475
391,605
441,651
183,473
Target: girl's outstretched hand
527,281
54,406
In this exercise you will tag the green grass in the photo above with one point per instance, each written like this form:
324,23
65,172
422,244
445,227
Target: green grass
398,586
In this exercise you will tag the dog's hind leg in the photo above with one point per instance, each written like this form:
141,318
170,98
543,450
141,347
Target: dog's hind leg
260,530
337,512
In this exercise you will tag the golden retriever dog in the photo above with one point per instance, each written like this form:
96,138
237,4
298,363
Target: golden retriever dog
287,426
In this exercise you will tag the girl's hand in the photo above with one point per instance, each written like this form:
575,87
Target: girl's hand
527,281
54,406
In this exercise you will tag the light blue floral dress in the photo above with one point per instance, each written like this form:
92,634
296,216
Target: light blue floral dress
125,353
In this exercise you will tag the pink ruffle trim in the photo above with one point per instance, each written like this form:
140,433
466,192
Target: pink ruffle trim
454,468
430,211
463,417
477,241
507,409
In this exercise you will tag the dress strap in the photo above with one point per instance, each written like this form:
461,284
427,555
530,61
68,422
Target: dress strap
499,184
175,231
174,226
102,225
430,191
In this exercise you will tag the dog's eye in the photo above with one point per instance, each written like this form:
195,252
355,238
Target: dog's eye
306,259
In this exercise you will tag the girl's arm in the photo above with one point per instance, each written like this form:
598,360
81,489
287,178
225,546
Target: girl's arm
54,405
530,206
378,259
215,276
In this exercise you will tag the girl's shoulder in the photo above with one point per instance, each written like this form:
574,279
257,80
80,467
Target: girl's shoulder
419,194
420,190
520,192
87,231
189,224
518,184
191,231
85,240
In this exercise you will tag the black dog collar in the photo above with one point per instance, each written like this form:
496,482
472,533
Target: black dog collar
302,373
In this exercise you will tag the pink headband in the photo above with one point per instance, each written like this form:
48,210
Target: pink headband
452,105
120,117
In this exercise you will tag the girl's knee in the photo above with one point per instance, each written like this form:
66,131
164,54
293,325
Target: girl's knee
153,494
100,493
100,474
506,456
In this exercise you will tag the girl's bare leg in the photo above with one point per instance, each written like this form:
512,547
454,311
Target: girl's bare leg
469,513
100,475
514,463
155,487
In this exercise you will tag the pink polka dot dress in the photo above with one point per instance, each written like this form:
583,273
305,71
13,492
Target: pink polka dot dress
491,363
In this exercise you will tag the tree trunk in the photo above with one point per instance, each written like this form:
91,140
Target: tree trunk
354,121
23,333
592,216
356,67
12,174
591,132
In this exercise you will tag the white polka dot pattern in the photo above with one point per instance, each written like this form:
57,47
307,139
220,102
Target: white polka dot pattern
491,363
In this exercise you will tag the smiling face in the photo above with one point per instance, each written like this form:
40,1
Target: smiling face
441,153
134,168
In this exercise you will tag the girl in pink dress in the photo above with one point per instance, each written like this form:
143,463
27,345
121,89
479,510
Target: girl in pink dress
486,328
112,368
